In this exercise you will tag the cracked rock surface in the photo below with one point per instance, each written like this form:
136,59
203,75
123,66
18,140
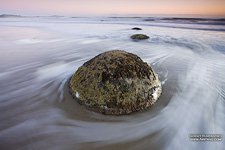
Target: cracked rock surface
115,82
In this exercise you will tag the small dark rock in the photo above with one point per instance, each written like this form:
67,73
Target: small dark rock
136,28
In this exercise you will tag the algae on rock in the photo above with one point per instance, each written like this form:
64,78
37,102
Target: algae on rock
139,37
115,82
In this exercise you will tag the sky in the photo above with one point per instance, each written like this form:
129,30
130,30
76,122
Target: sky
113,7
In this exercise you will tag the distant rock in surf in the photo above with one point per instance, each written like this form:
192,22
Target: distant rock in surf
136,28
139,37
8,15
115,82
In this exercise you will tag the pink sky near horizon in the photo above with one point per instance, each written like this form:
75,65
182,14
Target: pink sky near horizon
107,7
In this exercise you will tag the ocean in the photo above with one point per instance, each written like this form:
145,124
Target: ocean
38,55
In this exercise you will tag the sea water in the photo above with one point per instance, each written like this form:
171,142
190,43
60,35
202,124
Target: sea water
39,54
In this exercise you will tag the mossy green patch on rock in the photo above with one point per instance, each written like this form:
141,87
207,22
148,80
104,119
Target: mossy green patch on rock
139,37
115,82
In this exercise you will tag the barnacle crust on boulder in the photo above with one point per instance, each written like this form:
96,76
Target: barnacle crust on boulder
115,82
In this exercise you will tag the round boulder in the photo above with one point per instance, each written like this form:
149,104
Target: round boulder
139,37
115,82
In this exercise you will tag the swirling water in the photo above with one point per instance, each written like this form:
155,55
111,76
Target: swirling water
38,56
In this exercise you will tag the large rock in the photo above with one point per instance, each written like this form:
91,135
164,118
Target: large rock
115,82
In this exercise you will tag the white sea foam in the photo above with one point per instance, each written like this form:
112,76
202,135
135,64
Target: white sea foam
37,41
77,95
29,41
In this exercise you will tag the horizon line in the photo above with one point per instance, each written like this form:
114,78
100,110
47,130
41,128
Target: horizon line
119,15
